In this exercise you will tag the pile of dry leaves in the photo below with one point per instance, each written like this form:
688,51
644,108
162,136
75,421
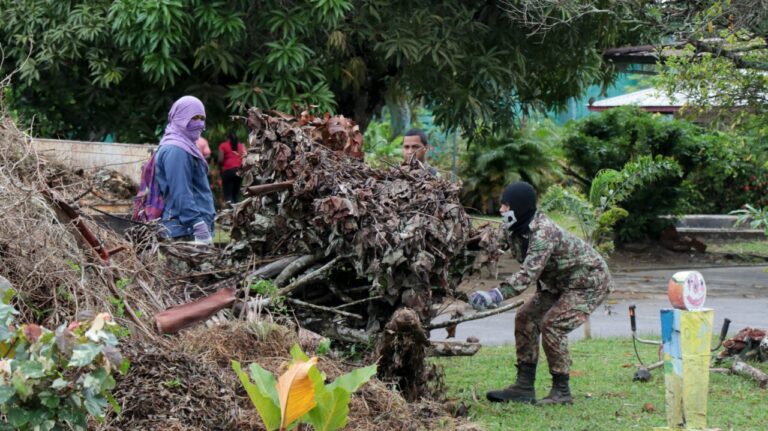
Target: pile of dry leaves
366,241
60,262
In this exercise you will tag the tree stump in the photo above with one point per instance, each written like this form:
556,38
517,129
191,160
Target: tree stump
402,349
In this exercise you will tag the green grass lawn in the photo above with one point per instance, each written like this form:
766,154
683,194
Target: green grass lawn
605,397
758,247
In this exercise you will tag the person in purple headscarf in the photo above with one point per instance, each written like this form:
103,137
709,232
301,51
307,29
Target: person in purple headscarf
182,175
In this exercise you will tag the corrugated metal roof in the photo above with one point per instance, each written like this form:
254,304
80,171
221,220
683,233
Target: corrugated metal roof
650,99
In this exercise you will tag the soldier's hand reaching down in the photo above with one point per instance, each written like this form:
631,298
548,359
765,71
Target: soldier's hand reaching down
481,300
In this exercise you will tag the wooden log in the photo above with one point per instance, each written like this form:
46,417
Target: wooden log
742,368
452,348
476,316
272,269
264,189
309,278
177,318
295,267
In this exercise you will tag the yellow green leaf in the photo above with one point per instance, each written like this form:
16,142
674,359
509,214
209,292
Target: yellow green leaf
296,392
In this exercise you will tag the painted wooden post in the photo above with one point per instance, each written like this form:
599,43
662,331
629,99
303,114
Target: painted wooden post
686,336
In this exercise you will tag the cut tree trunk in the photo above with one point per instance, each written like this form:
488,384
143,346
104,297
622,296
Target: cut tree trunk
402,351
453,348
742,368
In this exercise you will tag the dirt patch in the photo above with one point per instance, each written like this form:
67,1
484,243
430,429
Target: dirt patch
637,256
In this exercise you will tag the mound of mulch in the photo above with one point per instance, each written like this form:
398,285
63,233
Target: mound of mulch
167,388
192,386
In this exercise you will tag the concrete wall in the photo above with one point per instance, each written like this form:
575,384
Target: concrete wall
124,158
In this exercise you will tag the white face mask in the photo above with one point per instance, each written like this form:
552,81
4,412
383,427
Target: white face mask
508,219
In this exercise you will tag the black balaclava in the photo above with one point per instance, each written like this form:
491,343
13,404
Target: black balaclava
521,198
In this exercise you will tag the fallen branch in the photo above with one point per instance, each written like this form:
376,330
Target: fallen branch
476,316
264,189
452,348
359,301
272,269
296,267
326,309
338,292
110,282
742,368
74,216
348,334
312,276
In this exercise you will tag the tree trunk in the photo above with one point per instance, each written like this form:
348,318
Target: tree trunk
402,349
742,368
453,348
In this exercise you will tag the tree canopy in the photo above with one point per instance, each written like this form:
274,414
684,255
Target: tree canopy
88,68
714,52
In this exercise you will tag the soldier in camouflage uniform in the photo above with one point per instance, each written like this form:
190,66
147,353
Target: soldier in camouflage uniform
571,280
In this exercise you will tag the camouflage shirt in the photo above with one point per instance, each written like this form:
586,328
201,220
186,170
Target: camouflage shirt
555,257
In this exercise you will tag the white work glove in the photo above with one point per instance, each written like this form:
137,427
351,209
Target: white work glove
202,234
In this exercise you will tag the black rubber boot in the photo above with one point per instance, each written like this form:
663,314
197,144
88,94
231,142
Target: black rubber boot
560,393
522,391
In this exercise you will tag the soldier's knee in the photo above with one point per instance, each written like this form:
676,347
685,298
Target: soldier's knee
521,318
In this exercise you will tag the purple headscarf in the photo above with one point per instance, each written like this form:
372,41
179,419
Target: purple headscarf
176,132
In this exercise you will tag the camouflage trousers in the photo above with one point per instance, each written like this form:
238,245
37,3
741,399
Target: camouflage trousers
552,316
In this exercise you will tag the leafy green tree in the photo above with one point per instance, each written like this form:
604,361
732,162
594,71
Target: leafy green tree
86,69
714,52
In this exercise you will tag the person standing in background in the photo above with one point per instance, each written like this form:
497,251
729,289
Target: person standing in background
202,145
416,146
231,153
182,175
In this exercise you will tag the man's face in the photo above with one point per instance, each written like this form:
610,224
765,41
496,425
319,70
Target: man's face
412,146
504,208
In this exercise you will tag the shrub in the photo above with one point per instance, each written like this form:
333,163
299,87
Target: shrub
756,218
719,171
54,379
600,211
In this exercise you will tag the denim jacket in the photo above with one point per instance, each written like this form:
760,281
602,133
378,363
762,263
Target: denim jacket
183,182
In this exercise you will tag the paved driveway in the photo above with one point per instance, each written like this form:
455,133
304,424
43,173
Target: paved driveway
739,293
